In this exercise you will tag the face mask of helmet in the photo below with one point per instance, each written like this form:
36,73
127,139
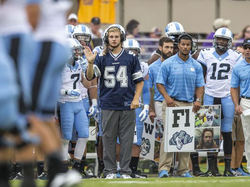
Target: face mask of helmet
83,38
77,53
220,47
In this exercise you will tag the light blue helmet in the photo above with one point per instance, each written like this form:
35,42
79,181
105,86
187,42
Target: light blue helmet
82,32
69,30
174,28
223,33
75,48
132,44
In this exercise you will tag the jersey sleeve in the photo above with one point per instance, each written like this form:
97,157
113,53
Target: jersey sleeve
199,78
137,72
146,93
150,77
201,58
235,80
144,69
163,73
239,58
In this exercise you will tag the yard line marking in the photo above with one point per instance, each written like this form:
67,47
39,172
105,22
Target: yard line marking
181,181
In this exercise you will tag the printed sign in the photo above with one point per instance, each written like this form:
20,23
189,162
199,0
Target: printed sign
207,128
148,140
179,131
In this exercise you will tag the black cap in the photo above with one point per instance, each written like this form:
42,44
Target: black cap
246,42
95,20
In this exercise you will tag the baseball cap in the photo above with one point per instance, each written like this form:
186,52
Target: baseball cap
156,30
246,42
95,20
72,16
220,22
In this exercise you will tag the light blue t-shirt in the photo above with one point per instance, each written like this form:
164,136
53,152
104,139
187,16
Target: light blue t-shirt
154,69
181,78
241,77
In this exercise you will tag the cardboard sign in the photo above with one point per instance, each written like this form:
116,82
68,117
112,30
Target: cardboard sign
207,128
179,131
188,132
148,140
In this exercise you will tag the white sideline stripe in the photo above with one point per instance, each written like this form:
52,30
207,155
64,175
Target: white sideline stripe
179,181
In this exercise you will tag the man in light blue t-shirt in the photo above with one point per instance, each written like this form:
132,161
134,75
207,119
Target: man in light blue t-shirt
179,78
241,79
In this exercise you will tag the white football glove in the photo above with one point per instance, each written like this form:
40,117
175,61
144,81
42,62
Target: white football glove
74,93
144,113
93,109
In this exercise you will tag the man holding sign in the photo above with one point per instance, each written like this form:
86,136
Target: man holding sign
180,77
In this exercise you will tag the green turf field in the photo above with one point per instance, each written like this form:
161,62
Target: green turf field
156,182
153,181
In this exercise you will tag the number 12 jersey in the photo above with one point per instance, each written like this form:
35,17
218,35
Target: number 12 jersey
219,70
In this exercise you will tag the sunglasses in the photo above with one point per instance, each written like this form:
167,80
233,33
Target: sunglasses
246,47
247,31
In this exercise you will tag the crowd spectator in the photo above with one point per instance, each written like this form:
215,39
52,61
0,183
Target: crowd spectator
218,23
73,19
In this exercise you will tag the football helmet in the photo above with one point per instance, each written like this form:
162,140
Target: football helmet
69,30
82,33
123,33
223,33
174,29
132,44
76,50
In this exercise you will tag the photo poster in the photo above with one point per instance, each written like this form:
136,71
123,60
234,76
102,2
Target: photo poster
207,128
179,132
148,140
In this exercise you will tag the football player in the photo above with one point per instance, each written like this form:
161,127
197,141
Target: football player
141,114
218,63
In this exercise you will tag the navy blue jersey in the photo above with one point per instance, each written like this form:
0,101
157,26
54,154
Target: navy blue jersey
118,77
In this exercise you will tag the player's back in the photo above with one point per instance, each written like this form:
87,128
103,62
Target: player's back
52,20
219,70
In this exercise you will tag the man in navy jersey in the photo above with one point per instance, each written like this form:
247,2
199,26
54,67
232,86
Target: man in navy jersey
121,84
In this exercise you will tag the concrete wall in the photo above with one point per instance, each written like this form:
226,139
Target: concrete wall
196,16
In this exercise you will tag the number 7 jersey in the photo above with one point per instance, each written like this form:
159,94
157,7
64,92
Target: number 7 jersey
219,70
71,78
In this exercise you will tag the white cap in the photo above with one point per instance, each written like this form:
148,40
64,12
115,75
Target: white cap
73,16
220,22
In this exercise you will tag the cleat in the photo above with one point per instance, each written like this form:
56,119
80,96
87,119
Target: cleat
43,176
228,174
138,176
198,173
68,179
18,176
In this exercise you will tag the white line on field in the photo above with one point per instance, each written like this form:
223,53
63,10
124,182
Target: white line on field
181,181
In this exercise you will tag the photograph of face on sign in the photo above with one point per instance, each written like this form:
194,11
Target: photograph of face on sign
208,116
207,139
158,129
